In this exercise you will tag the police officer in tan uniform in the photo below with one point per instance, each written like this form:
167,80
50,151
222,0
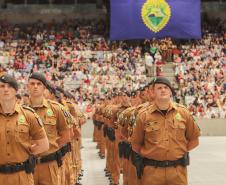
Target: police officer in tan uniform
163,136
75,162
146,97
22,135
118,104
102,120
56,123
126,123
95,121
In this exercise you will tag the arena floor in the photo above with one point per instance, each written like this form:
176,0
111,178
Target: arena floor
208,162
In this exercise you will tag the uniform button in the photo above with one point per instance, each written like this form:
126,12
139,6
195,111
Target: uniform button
7,142
7,120
7,131
8,154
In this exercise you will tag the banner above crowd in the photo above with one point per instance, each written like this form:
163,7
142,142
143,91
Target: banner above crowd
142,19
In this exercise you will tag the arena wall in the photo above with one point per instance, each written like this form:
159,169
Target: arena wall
32,13
215,9
212,127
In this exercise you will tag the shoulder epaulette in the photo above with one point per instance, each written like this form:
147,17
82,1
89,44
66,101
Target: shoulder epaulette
139,106
145,109
35,114
53,102
56,103
181,106
143,105
69,102
142,111
28,108
66,113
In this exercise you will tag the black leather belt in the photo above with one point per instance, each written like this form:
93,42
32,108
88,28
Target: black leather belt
51,157
27,166
184,161
56,156
12,168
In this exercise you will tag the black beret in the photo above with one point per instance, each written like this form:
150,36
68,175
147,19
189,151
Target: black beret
50,87
114,95
121,93
57,94
128,93
142,88
18,96
9,80
147,86
163,80
133,93
38,76
68,95
26,94
60,89
150,83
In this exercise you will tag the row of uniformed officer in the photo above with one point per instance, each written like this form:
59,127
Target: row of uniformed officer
154,137
41,135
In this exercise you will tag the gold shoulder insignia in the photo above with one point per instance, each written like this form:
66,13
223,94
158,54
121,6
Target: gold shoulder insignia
40,122
142,111
66,114
28,108
69,102
180,105
54,102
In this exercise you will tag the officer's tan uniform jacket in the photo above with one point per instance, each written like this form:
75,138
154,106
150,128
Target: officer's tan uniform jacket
128,117
123,122
78,113
71,109
55,120
162,137
113,109
16,134
103,115
96,115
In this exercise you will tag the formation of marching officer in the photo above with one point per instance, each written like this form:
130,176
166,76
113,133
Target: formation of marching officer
145,136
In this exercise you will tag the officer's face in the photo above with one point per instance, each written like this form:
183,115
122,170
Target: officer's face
125,100
35,88
143,95
7,92
162,92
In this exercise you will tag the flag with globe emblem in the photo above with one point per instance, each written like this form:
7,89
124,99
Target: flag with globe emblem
141,19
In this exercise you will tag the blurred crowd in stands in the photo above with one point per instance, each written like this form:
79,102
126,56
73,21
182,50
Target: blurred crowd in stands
200,70
77,55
